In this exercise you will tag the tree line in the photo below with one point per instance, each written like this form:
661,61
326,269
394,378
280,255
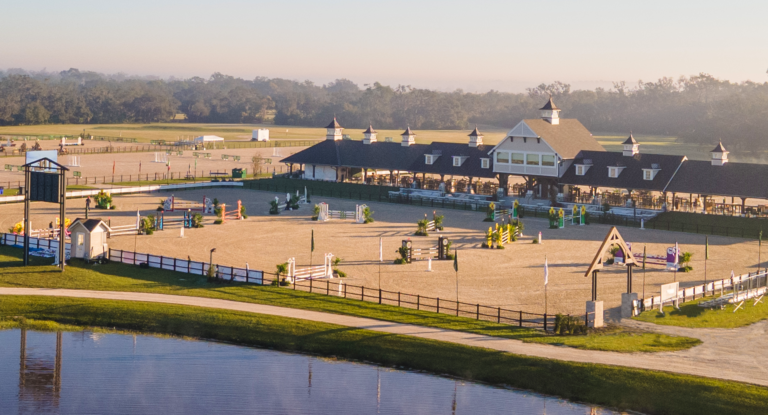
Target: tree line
700,108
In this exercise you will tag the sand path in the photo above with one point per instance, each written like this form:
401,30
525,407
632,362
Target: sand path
731,354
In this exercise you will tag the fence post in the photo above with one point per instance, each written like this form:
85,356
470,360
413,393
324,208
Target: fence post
398,298
478,312
345,290
521,318
418,297
310,285
327,286
362,293
545,321
379,295
438,305
498,317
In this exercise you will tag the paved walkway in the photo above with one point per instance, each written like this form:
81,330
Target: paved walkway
732,354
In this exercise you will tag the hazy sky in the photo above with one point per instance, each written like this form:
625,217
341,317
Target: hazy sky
475,45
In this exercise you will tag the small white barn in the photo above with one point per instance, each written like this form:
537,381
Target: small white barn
89,238
262,134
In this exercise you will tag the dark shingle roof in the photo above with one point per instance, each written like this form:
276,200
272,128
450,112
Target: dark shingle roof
630,140
370,130
719,148
334,124
731,179
475,133
631,177
353,153
89,224
395,156
471,167
567,138
549,105
408,132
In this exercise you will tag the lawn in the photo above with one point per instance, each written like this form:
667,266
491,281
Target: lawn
691,315
709,224
121,277
622,388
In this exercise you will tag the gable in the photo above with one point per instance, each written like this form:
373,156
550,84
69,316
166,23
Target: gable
522,130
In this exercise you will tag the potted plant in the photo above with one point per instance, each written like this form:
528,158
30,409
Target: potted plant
684,260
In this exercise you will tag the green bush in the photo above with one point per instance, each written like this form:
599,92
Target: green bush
242,212
422,228
315,212
273,207
368,215
197,220
569,325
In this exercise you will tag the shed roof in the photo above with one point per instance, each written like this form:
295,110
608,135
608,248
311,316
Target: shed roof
89,224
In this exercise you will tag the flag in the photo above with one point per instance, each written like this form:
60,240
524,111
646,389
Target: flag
313,240
381,245
113,166
456,260
706,248
644,256
546,271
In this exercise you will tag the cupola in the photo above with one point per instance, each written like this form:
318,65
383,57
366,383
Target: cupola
631,147
369,135
475,138
719,155
408,137
333,131
550,113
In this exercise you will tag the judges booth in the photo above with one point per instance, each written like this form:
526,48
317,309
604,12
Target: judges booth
89,238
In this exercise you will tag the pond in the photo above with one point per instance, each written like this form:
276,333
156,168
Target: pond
86,372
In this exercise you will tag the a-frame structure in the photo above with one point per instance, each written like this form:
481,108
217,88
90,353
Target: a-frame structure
613,238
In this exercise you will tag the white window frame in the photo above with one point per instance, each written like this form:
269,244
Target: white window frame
505,153
580,170
456,161
429,159
485,163
538,159
651,172
614,171
554,160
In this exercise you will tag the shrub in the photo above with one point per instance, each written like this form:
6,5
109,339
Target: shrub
212,272
148,225
218,222
535,241
273,207
197,220
569,325
368,215
403,251
422,228
438,221
293,204
103,200
242,212
684,260
215,202
315,212
218,210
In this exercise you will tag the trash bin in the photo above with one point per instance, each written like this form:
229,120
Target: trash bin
238,173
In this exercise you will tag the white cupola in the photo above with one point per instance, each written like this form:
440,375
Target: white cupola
719,155
631,147
369,135
408,137
475,138
550,113
333,131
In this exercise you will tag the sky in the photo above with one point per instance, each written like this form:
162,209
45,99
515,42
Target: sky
472,45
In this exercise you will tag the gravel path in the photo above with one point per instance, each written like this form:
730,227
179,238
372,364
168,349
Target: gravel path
731,354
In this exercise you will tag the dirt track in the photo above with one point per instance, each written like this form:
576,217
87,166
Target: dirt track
510,278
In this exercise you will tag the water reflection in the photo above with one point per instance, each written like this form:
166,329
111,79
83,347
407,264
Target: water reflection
142,374
39,376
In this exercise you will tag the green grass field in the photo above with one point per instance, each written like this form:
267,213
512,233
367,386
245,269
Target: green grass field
622,388
691,315
120,277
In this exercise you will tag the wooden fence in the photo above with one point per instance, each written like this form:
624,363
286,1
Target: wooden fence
338,288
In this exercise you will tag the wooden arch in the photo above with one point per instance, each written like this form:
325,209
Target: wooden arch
613,238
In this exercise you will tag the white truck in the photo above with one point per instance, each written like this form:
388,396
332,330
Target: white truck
262,134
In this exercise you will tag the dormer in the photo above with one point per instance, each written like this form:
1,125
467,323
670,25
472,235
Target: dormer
369,135
550,113
583,167
475,138
431,158
615,171
333,131
719,155
408,137
631,147
650,173
485,163
459,160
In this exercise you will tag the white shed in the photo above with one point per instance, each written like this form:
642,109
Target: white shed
262,134
208,139
89,238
